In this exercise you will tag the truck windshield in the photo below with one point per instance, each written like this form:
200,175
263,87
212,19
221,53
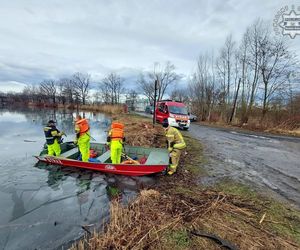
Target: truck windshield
178,110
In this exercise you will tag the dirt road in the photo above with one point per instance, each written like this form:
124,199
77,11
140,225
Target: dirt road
267,162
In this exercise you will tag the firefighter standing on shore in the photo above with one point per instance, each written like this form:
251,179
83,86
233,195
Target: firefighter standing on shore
82,130
175,145
53,138
115,139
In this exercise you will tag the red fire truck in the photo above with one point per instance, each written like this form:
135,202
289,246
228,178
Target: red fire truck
175,112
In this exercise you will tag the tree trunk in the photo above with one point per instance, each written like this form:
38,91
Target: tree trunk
264,111
235,101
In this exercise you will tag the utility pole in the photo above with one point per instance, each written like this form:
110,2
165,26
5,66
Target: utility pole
154,105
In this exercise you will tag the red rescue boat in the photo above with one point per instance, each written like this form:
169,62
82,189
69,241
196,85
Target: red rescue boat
153,160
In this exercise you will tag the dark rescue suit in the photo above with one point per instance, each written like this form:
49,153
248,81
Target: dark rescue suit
53,136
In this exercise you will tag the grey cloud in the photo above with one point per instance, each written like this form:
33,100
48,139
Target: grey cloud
43,39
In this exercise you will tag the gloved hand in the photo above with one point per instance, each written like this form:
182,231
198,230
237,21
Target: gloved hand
75,142
170,149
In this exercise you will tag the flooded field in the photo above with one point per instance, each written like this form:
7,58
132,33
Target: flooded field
46,207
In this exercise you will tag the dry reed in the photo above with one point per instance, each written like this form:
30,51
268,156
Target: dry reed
147,222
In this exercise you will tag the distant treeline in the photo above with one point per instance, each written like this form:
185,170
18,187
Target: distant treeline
71,92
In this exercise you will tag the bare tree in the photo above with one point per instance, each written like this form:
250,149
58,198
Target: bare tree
81,83
180,94
202,86
243,54
66,91
235,101
31,93
225,65
111,88
221,73
276,62
237,83
229,53
131,99
256,32
48,89
164,74
104,93
147,87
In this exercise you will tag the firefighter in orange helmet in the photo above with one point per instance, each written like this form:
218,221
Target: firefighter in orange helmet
82,130
116,138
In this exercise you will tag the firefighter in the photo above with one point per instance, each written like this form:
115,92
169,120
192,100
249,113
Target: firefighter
82,130
116,139
53,138
175,145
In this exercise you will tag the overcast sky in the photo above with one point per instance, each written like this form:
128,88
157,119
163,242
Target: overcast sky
51,39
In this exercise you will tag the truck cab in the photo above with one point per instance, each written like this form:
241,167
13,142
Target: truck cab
175,112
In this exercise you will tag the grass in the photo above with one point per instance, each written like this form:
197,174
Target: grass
113,192
280,218
164,216
177,239
194,158
230,187
283,220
